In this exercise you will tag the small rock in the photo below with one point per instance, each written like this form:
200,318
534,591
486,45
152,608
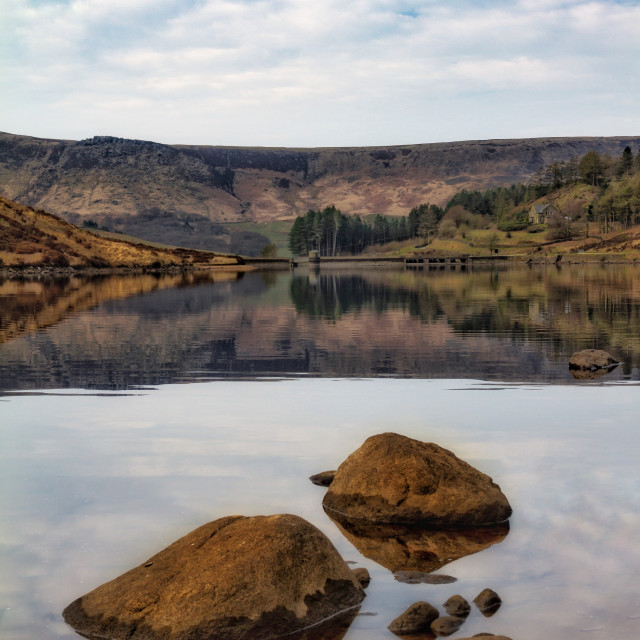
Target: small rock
592,359
323,479
362,576
488,602
446,625
416,619
457,606
395,479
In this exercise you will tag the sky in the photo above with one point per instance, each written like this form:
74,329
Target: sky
313,73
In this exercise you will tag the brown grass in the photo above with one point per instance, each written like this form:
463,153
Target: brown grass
38,238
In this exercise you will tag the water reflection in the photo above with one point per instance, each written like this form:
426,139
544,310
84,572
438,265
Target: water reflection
404,550
122,331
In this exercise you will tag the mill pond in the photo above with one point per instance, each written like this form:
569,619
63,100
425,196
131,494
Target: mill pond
134,409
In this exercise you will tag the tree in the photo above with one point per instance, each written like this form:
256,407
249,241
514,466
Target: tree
428,224
299,237
269,251
625,166
591,168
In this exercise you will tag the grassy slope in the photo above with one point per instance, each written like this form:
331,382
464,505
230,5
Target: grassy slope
277,232
34,238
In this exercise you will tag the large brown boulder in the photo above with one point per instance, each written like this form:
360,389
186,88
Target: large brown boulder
592,360
395,479
233,578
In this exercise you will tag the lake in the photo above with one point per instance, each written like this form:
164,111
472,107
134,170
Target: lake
136,408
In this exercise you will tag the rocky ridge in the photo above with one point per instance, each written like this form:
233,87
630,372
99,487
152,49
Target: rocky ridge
187,194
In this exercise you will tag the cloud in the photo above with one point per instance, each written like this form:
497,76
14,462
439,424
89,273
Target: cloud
288,72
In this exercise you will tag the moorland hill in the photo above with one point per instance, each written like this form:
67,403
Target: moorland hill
36,238
192,195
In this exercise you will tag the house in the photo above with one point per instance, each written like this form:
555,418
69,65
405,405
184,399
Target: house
540,213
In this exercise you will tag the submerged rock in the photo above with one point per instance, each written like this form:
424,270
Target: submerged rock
323,479
592,360
233,578
457,606
419,577
486,635
488,602
416,619
395,479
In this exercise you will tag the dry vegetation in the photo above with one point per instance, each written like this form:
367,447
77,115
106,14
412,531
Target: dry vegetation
35,238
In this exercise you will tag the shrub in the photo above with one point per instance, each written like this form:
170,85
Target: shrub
512,225
269,251
447,229
51,256
27,247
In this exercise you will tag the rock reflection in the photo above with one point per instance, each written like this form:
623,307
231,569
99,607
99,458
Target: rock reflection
407,549
587,374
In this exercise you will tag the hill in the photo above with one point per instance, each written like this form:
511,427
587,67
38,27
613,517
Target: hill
185,195
30,237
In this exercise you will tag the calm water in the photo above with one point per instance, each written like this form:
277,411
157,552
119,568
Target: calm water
134,409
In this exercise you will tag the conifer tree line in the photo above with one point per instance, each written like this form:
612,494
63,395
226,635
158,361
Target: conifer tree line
617,204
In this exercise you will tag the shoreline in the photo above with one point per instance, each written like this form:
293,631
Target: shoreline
263,264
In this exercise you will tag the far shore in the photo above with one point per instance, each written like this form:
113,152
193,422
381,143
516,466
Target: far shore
264,264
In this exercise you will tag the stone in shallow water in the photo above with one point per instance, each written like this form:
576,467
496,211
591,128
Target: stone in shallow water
395,479
446,625
416,619
233,578
592,359
457,606
488,602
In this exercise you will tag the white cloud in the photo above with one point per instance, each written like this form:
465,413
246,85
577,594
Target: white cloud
288,72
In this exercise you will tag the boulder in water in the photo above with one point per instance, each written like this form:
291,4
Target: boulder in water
592,360
395,479
236,577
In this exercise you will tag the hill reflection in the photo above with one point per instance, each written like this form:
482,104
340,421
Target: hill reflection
122,331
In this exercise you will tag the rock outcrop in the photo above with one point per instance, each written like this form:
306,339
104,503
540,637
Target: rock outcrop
395,479
233,578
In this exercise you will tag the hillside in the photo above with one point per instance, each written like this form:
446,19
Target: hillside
30,237
184,195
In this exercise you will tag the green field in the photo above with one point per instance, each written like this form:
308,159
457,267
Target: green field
277,232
